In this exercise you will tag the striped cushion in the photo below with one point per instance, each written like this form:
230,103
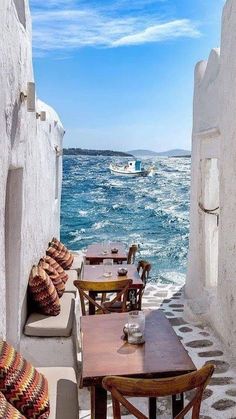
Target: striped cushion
7,411
58,245
54,276
43,292
63,257
53,263
22,385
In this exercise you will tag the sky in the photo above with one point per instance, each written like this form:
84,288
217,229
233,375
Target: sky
120,72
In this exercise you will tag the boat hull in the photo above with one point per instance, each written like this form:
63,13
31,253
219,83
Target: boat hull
119,172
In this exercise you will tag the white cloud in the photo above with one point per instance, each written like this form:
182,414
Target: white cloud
64,26
160,32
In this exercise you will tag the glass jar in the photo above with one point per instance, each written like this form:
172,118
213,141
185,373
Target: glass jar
136,327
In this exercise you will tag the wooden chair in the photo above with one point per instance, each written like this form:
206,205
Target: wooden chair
88,290
132,253
120,387
135,296
145,267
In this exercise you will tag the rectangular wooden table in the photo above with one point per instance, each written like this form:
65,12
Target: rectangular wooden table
104,353
95,273
95,254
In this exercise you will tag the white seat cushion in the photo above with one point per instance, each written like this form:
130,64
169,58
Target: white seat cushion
72,276
77,262
63,392
40,325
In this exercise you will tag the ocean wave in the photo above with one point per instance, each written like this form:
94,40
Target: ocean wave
100,224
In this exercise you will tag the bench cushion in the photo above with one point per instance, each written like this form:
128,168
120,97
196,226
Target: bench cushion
61,325
63,392
77,262
72,276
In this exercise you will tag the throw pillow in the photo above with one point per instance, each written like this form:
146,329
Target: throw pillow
63,257
22,385
43,292
7,411
58,245
53,263
54,276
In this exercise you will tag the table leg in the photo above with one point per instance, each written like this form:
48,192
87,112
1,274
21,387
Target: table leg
177,404
92,306
98,403
152,408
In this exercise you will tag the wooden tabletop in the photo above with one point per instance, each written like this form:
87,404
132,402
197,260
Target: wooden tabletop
95,273
95,252
105,353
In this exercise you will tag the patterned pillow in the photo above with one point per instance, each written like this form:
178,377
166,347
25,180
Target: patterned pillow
43,292
63,257
54,276
7,411
53,263
58,245
22,385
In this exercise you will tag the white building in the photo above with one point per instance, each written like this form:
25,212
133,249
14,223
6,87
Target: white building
211,278
30,169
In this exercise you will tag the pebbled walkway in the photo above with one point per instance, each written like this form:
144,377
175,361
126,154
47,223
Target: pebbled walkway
202,345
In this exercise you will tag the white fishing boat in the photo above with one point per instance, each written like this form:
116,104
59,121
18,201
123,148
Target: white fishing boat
132,168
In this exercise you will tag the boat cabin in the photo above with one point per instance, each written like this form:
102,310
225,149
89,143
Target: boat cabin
135,165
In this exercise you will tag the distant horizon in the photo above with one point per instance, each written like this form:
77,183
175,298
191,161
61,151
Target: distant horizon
129,151
137,149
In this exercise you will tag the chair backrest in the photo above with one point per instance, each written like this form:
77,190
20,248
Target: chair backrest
85,288
121,387
132,253
146,267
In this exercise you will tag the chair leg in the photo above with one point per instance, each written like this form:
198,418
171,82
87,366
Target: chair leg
177,404
98,403
152,408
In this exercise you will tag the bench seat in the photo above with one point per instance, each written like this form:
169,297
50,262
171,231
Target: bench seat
51,326
77,262
72,276
63,392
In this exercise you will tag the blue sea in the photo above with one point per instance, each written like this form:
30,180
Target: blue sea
152,211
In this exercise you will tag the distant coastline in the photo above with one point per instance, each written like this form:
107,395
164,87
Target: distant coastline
177,152
134,153
86,152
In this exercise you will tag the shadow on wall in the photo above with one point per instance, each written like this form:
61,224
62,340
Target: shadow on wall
20,8
13,221
14,122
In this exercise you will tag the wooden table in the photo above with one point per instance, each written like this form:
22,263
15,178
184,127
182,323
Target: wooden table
95,255
105,353
95,273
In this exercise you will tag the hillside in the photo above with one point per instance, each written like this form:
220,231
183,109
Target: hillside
170,153
85,152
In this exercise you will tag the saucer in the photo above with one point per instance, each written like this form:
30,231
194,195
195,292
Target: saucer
107,274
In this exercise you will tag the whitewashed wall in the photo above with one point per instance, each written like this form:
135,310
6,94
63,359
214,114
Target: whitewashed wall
214,136
29,202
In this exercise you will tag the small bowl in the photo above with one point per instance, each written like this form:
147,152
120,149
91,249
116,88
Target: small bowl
122,271
114,250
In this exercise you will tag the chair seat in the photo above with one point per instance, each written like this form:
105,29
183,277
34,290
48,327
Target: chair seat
50,326
72,276
115,308
63,392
